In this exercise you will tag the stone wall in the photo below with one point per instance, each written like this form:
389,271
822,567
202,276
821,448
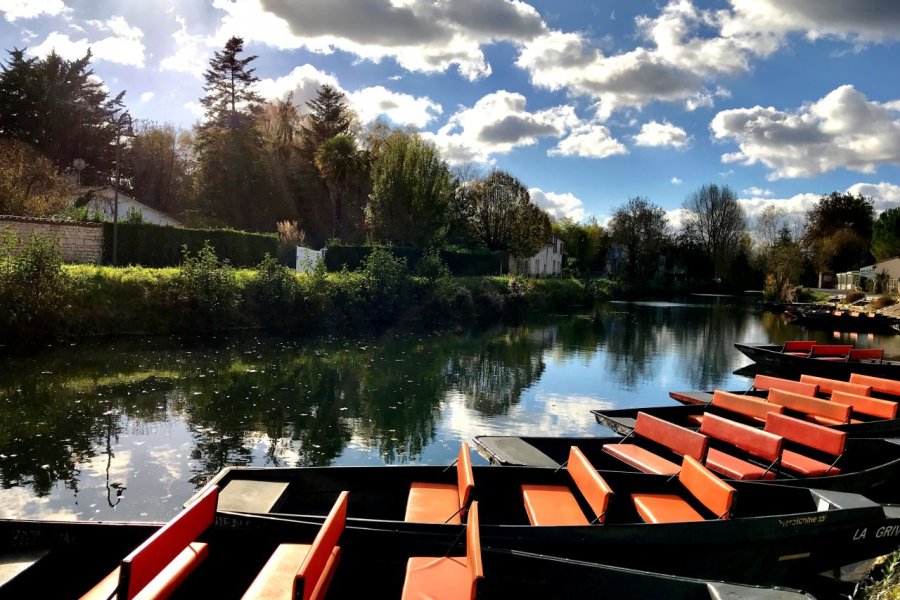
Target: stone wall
78,242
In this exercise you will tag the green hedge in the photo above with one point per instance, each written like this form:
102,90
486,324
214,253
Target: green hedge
160,246
460,264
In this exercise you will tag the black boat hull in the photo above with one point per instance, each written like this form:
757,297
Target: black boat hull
770,355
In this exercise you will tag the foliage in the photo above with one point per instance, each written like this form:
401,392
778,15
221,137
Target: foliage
461,264
29,183
231,98
206,288
273,291
160,246
500,215
61,108
385,282
884,582
883,301
640,229
716,222
853,295
160,168
338,161
886,234
782,263
411,191
33,289
328,116
432,267
585,245
839,232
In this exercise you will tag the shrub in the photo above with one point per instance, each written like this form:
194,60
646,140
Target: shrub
273,291
882,301
207,288
385,281
33,289
432,267
853,296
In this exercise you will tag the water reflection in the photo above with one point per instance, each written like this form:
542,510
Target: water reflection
128,430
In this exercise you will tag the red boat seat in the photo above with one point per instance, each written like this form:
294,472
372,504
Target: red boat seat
701,483
556,505
303,570
159,565
829,386
810,435
866,405
871,354
798,347
836,352
450,577
821,411
430,502
881,385
680,440
747,406
755,442
767,382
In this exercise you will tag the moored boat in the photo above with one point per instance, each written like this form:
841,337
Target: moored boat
835,319
836,361
773,534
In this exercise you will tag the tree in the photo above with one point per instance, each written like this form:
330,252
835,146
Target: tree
160,174
717,223
839,232
886,234
640,228
60,109
328,116
29,183
231,98
585,245
778,252
337,161
411,191
495,209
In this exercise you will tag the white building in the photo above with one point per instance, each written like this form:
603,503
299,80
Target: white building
103,202
546,263
854,279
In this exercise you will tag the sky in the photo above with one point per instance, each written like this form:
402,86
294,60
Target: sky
587,103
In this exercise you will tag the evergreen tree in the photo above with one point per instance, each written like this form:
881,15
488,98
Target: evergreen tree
338,161
230,100
329,116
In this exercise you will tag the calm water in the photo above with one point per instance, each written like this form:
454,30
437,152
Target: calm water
127,430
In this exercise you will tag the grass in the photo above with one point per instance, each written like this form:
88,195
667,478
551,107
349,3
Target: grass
885,582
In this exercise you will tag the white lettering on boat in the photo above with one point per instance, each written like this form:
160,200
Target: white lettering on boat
806,520
888,531
860,534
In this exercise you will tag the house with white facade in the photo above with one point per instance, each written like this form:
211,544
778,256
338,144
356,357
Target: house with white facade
546,263
103,199
863,278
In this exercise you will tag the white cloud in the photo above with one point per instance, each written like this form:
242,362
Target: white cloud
757,192
589,141
29,9
843,129
420,35
677,181
195,108
559,205
124,46
147,96
191,51
497,124
402,109
662,134
302,81
885,195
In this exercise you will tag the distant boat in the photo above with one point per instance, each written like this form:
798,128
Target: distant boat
837,361
832,319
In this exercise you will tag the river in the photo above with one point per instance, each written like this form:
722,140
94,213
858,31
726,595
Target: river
128,429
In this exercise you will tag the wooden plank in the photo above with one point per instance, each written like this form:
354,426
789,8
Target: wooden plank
251,496
508,450
11,565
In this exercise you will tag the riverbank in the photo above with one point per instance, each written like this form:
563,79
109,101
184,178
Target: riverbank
204,295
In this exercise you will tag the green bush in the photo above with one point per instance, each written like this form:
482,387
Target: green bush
273,290
151,245
207,288
33,289
460,264
385,281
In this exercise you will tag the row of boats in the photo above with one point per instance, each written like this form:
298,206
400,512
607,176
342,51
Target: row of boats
764,489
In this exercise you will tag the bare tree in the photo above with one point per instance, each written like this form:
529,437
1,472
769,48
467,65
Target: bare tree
640,228
716,222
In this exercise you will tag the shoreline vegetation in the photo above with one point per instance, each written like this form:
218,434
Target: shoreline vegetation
43,300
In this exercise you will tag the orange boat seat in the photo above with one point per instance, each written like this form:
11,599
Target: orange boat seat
815,409
798,347
713,493
557,505
303,570
866,405
835,352
809,435
431,502
754,442
767,382
447,577
890,387
830,386
680,440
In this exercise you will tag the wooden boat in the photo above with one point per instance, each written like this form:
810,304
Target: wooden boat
868,466
61,559
834,319
776,535
837,361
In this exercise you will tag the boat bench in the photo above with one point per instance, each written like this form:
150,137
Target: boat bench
557,505
880,385
834,352
442,502
746,406
303,570
870,354
830,386
679,440
767,382
751,441
798,347
452,577
698,481
158,566
808,435
866,405
815,409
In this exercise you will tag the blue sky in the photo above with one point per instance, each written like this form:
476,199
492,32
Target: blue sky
588,103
